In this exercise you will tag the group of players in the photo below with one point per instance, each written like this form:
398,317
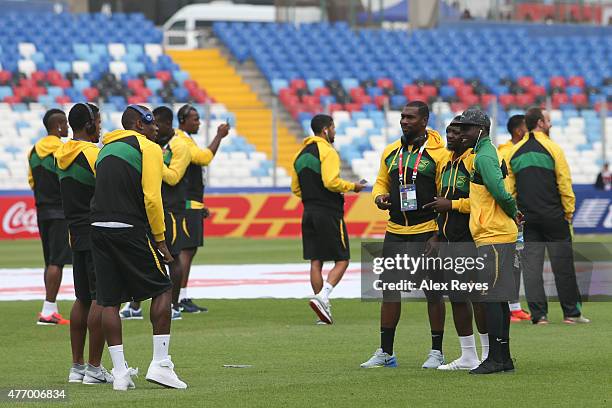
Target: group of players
465,199
118,214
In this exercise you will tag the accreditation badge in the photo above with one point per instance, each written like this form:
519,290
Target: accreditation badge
408,198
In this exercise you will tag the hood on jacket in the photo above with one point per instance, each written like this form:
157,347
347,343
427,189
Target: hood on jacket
69,151
119,134
47,145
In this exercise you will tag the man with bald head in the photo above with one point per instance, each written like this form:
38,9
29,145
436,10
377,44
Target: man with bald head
129,249
52,225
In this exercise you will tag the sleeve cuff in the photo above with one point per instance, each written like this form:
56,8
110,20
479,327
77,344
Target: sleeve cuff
159,237
352,187
455,205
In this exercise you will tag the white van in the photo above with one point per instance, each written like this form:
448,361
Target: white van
185,29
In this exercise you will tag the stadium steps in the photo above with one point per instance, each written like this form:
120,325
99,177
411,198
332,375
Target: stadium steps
212,71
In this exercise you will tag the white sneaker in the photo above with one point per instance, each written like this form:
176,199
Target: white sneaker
322,308
574,320
435,359
380,359
124,381
459,364
100,376
162,373
75,375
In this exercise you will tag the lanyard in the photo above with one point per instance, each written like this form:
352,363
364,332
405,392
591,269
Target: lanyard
415,170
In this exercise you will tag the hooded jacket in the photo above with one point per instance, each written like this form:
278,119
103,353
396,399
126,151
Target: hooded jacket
540,179
315,177
492,208
454,225
43,180
128,182
193,175
76,161
420,220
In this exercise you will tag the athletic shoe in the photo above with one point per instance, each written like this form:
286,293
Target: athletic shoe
489,367
75,375
53,320
542,321
162,373
123,382
380,359
518,315
574,320
322,308
435,359
459,364
127,313
508,366
176,314
188,306
321,323
97,376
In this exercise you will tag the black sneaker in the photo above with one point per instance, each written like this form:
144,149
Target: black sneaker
188,306
488,367
508,366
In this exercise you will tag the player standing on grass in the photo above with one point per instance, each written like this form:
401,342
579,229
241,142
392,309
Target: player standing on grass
128,238
76,161
315,178
174,193
517,129
453,205
52,225
407,180
189,124
493,224
541,181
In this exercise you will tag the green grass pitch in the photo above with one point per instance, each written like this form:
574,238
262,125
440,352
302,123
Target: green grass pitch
298,364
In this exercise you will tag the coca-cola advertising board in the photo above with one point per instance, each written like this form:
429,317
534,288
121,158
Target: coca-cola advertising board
18,215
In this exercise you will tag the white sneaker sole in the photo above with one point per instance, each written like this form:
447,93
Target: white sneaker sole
75,381
316,306
166,385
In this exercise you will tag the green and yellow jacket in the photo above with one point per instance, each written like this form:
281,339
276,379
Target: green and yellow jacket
43,180
193,175
128,182
76,164
427,181
540,179
454,225
177,159
492,208
315,177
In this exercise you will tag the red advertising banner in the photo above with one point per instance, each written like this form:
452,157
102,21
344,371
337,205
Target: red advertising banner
18,216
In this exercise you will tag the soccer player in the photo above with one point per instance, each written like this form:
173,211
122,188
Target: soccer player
517,129
76,170
453,205
493,224
52,225
411,165
541,180
174,193
189,124
315,178
128,242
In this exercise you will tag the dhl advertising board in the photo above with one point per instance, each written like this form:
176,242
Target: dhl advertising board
265,214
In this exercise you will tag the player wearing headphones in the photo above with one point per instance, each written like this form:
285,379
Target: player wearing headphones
76,161
128,242
315,178
189,124
52,226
